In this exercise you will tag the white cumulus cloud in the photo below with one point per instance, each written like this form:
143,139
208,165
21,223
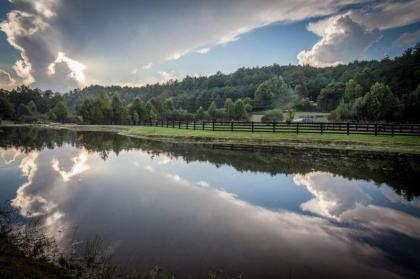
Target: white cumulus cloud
342,41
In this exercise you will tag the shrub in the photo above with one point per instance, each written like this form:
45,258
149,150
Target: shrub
273,115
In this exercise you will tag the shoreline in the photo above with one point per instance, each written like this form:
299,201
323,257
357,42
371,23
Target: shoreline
332,145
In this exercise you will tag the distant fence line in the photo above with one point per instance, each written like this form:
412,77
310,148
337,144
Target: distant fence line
348,128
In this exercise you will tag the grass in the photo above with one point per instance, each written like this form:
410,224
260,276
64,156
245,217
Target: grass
400,144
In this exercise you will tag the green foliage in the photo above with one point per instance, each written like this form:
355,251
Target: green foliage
411,103
230,108
306,105
32,107
60,111
335,89
272,115
330,96
378,104
23,110
151,111
274,92
212,111
239,112
119,110
200,114
290,115
137,110
353,91
6,108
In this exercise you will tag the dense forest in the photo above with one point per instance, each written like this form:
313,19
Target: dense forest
386,90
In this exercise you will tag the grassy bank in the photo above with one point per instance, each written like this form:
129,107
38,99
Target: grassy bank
388,144
331,142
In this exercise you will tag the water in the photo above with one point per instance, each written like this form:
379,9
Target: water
191,209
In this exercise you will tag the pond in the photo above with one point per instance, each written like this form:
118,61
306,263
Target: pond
190,208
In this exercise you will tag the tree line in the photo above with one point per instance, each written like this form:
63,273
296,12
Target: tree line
386,90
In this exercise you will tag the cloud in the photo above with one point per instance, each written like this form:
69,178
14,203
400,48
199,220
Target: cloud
346,36
30,205
147,66
9,155
6,80
79,166
343,200
342,41
76,68
139,34
203,50
407,39
165,76
153,32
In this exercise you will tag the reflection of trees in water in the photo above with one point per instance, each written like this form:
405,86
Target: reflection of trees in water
399,173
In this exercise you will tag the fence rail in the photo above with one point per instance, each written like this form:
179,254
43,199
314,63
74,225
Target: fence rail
348,128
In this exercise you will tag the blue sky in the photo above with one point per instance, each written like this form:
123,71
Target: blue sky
63,44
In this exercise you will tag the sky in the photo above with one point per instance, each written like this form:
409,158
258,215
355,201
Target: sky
65,44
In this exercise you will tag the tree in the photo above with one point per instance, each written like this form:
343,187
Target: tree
248,107
229,107
411,104
6,108
137,110
200,114
378,104
239,112
263,96
23,110
212,111
353,91
151,111
60,111
32,107
272,115
119,109
330,96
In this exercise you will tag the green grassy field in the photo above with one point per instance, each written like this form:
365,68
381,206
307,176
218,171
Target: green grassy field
404,144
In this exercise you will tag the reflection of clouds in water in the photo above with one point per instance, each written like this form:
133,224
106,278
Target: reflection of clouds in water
9,155
156,213
395,198
30,205
79,166
343,200
333,195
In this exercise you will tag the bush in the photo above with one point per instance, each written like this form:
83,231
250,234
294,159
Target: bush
273,115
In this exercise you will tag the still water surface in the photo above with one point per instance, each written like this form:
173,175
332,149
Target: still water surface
191,209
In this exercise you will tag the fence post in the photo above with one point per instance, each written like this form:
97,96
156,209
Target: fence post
204,124
322,128
274,126
167,123
376,129
392,129
213,125
231,126
297,128
194,124
179,124
173,123
348,128
252,126
187,124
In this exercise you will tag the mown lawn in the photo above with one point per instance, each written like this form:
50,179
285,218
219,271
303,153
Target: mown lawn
263,135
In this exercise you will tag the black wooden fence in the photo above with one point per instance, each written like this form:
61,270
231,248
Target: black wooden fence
348,128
